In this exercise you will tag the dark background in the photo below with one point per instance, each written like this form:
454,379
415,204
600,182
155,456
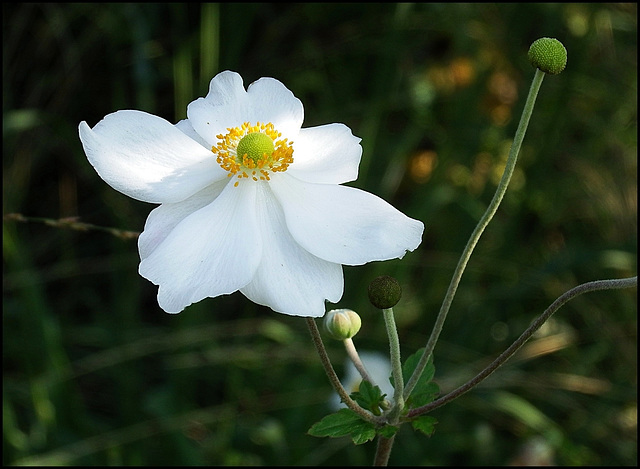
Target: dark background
95,373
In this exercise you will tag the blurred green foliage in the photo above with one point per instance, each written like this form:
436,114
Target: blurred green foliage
96,374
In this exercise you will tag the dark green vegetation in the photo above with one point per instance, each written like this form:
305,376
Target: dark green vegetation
95,373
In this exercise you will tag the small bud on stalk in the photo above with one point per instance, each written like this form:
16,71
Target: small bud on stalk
384,292
548,54
342,324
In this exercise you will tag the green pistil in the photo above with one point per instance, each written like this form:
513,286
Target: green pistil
255,145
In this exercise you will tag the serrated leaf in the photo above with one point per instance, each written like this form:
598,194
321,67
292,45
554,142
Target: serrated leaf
423,395
425,390
368,397
363,435
425,424
387,431
411,363
342,423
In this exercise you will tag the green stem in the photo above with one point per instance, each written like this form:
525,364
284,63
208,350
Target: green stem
396,365
333,377
383,451
513,348
355,358
480,227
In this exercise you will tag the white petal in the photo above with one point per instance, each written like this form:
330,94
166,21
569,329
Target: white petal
289,279
210,252
226,88
273,102
148,158
163,219
185,126
228,105
328,154
343,224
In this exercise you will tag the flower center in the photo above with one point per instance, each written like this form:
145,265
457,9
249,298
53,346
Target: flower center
253,151
255,146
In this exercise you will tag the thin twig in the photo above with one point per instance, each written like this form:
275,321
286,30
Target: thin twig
479,229
513,348
72,223
357,362
333,377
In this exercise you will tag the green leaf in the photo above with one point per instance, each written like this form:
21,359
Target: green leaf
387,431
412,362
425,424
425,390
369,397
423,394
342,423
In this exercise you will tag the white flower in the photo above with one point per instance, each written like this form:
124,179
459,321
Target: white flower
275,225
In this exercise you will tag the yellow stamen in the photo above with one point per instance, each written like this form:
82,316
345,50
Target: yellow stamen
260,157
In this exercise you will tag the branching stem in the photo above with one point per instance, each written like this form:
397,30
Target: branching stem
513,348
333,377
477,232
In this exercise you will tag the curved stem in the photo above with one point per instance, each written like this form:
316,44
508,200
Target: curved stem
333,377
535,325
355,358
480,227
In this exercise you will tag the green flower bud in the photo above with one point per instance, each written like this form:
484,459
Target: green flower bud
384,292
342,323
549,55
